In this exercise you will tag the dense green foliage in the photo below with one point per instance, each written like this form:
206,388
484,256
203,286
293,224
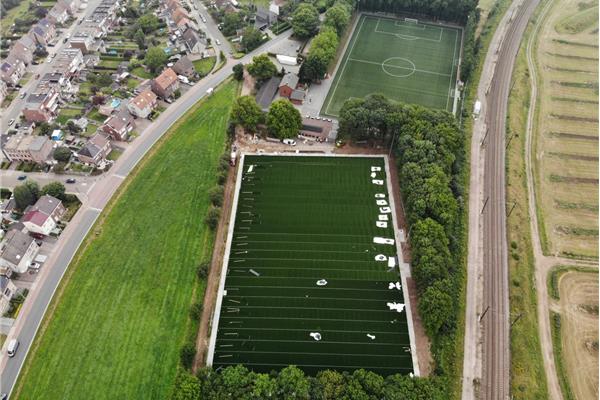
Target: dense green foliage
450,10
283,120
429,147
251,38
54,189
305,21
26,194
338,17
321,53
231,23
155,59
246,112
237,382
238,72
261,67
122,317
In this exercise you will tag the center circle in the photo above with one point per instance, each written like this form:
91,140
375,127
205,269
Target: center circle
398,67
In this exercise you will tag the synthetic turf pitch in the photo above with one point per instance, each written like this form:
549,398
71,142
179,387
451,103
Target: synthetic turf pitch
413,62
300,220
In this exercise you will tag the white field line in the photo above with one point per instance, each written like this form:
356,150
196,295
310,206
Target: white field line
345,63
399,67
404,23
309,287
303,250
297,259
363,366
304,298
370,310
303,234
304,330
234,317
452,70
370,342
311,353
409,37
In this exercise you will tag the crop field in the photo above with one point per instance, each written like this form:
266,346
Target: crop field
567,129
306,283
579,331
413,62
117,327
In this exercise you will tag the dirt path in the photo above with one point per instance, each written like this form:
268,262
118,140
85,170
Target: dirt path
212,282
543,263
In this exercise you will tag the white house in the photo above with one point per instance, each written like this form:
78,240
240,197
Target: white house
17,251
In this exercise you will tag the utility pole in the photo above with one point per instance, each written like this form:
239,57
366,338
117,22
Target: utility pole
485,204
511,209
483,315
487,130
509,139
516,319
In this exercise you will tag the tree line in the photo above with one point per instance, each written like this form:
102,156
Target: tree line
429,149
449,10
239,383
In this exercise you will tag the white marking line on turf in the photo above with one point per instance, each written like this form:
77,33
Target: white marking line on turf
315,308
399,67
304,330
452,71
344,67
322,366
303,298
304,234
315,320
309,251
297,259
408,37
310,353
312,287
303,341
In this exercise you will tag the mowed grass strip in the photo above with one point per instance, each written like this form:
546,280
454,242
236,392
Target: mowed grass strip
120,323
299,220
413,63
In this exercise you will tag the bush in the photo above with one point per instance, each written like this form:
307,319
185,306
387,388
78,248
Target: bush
187,355
203,269
196,311
216,196
212,218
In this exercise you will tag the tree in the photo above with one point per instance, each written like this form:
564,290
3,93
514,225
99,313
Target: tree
322,51
212,217
283,119
261,67
251,38
332,385
26,194
187,355
305,21
338,18
292,383
41,12
62,153
264,387
54,189
237,381
247,113
40,52
436,306
148,23
186,387
140,39
216,196
44,128
155,59
231,23
203,269
238,72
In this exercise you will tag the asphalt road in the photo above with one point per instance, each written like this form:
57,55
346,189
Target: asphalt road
496,320
82,184
98,196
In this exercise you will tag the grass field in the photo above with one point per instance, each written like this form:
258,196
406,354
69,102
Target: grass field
300,220
118,327
409,62
567,129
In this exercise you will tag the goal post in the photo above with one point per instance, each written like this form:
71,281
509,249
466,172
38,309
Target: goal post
411,21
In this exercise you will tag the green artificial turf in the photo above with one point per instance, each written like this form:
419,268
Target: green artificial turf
413,63
299,220
118,328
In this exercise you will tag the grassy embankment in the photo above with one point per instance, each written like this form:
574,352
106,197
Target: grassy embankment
122,313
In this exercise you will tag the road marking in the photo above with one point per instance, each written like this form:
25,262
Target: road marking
95,209
119,176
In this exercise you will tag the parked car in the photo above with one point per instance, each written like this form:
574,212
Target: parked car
71,180
23,94
22,177
35,266
218,42
12,347
291,142
48,59
12,121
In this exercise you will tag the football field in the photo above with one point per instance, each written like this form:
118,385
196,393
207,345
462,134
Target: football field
406,60
305,282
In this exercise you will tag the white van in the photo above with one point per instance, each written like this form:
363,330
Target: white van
291,142
13,345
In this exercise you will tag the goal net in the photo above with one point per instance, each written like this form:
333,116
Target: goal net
411,21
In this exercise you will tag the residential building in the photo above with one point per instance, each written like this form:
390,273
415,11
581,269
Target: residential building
3,91
7,291
56,80
184,23
58,14
165,84
43,32
23,49
267,92
179,14
72,6
119,126
265,17
184,67
17,251
69,62
288,84
42,106
142,105
317,129
95,150
43,216
172,5
35,149
194,41
11,70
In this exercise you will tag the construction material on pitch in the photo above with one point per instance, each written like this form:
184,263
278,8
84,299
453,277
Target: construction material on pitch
323,285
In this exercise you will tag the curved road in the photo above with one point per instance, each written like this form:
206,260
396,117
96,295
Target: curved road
37,302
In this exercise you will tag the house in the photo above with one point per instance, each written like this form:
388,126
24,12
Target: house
42,106
267,92
43,32
165,84
83,40
172,5
265,17
58,14
288,84
184,23
179,14
119,126
23,49
68,62
42,217
7,290
35,149
194,42
95,150
11,70
184,67
297,96
17,251
142,105
72,6
3,91
316,129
